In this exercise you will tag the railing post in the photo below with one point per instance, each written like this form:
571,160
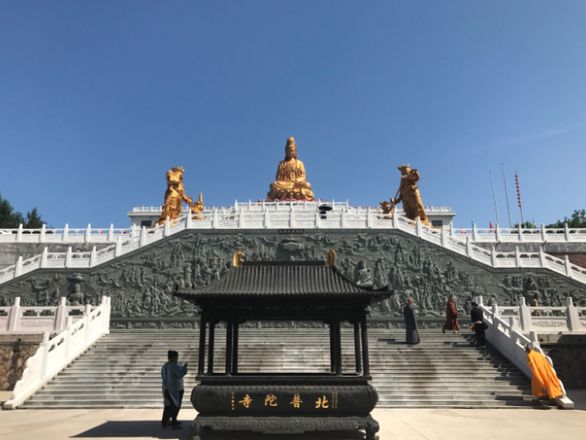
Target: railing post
43,231
118,248
498,233
468,246
474,232
566,232
18,267
44,256
133,231
68,257
240,219
317,220
452,233
291,219
444,238
188,221
572,317
520,232
493,256
495,310
568,266
19,233
143,236
517,257
524,315
111,232
542,259
86,315
343,218
368,217
68,326
61,315
215,218
266,219
418,228
45,360
167,227
14,316
543,234
65,232
93,257
88,233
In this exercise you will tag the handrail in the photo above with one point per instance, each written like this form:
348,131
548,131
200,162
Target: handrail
508,339
302,215
54,354
17,319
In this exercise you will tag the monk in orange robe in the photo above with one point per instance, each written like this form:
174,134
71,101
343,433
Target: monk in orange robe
451,316
545,383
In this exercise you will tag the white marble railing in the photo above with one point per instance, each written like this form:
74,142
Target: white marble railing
509,340
17,319
54,354
64,235
304,215
568,319
520,235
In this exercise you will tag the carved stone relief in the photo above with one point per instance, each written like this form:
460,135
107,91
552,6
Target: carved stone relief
140,284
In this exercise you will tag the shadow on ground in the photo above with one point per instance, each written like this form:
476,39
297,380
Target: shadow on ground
136,428
152,429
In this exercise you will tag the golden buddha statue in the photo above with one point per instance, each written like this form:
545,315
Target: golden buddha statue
409,194
175,196
291,181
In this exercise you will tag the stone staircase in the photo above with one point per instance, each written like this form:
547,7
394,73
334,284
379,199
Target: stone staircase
123,368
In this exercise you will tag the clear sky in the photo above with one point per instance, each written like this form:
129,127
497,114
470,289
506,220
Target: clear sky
99,98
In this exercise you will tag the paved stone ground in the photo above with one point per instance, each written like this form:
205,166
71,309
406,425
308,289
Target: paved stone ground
396,424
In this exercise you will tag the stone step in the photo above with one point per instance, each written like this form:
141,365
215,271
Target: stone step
445,371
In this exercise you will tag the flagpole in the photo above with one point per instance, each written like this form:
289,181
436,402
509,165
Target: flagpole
519,204
496,208
507,196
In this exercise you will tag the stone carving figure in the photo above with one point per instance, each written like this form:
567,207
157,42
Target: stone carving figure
175,196
409,194
291,180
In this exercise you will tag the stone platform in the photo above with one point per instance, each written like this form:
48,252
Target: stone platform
396,424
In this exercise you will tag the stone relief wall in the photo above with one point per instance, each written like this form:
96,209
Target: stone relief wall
14,351
141,283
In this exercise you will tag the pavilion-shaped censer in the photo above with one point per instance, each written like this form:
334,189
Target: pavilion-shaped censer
283,403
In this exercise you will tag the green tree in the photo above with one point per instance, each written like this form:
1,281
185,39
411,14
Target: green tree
33,220
527,224
10,218
576,220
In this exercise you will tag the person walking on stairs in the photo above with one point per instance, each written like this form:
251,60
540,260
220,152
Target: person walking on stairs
478,326
412,334
172,374
451,316
544,383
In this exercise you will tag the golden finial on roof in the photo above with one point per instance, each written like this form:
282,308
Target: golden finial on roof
237,258
330,258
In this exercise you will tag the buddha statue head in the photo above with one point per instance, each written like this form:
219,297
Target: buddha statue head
290,149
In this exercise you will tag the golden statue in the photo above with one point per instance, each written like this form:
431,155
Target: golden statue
237,258
291,181
409,194
175,195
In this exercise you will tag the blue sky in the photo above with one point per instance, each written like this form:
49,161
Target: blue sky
99,98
